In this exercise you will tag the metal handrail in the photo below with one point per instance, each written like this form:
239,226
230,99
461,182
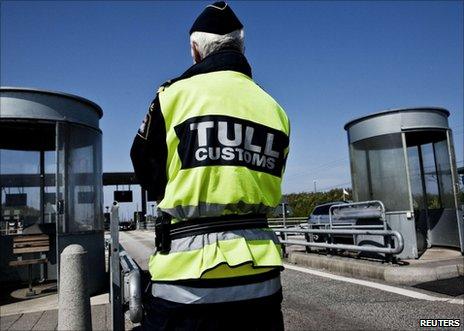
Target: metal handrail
290,221
125,278
356,226
287,218
387,250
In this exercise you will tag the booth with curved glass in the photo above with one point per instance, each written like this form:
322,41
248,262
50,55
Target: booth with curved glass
405,158
50,178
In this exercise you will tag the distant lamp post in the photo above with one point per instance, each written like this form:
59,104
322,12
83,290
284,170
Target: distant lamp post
284,206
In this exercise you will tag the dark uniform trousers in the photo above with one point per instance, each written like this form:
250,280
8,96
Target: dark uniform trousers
263,314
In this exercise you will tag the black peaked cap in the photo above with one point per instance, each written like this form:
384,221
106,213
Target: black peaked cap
217,18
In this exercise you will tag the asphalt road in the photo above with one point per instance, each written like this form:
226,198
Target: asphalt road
319,303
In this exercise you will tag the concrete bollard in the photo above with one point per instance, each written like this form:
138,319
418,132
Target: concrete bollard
74,301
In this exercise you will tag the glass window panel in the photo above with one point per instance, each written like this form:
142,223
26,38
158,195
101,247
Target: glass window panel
415,175
20,189
50,187
361,190
380,171
444,173
84,180
430,177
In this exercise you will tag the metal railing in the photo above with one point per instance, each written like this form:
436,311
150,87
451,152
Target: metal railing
125,276
132,289
351,213
398,247
288,221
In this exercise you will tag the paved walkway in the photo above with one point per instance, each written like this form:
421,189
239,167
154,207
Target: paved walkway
48,319
42,314
49,302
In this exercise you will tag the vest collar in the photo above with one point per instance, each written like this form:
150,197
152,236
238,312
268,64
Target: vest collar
227,59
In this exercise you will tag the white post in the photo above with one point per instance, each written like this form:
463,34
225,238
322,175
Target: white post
73,301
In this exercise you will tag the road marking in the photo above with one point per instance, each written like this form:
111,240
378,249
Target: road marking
386,288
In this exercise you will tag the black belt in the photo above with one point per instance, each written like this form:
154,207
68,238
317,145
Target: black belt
165,231
224,282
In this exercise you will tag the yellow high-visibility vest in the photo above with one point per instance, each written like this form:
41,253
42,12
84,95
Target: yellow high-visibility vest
227,145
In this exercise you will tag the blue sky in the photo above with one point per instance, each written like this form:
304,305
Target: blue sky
325,62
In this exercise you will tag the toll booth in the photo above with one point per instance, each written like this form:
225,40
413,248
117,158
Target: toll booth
405,158
50,179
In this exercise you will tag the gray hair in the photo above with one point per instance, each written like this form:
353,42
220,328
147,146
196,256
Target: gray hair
208,43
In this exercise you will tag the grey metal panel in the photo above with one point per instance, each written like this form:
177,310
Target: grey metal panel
396,121
400,223
374,126
369,240
22,103
390,111
423,120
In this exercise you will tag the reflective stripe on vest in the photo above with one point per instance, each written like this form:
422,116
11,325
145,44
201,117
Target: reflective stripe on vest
204,209
244,257
200,241
198,295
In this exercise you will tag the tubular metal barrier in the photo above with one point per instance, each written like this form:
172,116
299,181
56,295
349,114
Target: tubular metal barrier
289,221
125,275
386,250
132,289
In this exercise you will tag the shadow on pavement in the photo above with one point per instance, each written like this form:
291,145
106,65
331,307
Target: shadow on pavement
16,292
453,286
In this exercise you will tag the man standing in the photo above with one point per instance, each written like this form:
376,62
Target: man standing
212,149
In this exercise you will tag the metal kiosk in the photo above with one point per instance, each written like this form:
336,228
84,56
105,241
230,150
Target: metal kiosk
405,158
50,178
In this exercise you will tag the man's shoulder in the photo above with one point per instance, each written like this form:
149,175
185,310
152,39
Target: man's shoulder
177,82
165,85
169,83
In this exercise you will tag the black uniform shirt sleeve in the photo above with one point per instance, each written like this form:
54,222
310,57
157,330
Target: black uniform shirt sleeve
149,152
